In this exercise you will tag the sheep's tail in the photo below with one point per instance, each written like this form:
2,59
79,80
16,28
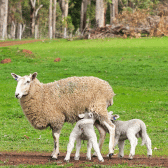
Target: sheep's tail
144,134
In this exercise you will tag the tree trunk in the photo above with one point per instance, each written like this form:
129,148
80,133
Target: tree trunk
113,10
3,18
50,20
54,18
33,15
64,8
100,13
83,15
13,30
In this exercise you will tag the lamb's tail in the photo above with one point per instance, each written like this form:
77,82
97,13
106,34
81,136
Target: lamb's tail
144,135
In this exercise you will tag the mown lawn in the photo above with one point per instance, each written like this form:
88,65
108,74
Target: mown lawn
137,70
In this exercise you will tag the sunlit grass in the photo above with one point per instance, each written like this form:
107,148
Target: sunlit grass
135,68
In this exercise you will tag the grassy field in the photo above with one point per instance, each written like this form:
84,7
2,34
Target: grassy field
137,70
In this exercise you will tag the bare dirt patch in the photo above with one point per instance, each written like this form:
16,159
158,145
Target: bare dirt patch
36,158
10,43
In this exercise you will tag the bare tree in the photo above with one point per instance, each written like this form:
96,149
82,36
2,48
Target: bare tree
113,10
64,8
33,15
54,17
3,18
100,13
83,18
50,20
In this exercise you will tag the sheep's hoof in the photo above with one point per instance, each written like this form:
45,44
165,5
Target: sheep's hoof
102,160
110,155
66,160
88,158
130,157
94,154
76,158
120,156
54,158
149,156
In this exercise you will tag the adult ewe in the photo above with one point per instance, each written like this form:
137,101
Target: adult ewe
62,101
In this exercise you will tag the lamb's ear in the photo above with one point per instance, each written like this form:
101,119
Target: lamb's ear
115,117
90,115
34,75
110,112
81,115
15,76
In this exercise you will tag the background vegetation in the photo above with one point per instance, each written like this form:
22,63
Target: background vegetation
135,68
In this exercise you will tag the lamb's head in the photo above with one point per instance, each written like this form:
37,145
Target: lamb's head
23,84
113,117
86,116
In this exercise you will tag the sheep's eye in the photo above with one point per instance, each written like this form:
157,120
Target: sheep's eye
28,81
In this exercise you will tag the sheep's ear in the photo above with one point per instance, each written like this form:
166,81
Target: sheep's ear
115,117
110,112
81,115
34,75
15,76
90,115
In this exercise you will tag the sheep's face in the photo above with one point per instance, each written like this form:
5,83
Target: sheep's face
23,84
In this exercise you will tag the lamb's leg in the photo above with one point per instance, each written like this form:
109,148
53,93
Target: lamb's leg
133,141
96,148
102,133
121,149
69,148
149,146
78,146
89,147
56,135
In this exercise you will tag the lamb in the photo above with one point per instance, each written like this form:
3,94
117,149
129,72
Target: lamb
61,101
131,130
84,130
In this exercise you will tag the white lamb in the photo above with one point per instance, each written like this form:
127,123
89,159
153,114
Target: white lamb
131,130
84,130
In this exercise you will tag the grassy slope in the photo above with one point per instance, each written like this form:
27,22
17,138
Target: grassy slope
135,68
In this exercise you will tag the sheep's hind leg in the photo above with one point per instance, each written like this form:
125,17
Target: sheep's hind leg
121,149
111,129
78,146
56,135
102,133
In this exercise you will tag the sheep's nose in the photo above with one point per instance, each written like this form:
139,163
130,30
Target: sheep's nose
16,95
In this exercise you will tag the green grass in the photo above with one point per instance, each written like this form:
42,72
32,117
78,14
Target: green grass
137,69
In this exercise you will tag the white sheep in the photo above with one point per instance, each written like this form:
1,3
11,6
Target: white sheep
52,104
131,130
84,130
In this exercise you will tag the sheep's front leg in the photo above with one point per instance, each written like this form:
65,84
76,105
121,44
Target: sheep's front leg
56,135
89,148
111,128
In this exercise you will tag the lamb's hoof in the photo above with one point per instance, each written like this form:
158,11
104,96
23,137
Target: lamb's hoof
110,155
101,160
120,156
54,158
130,157
76,158
149,156
66,160
88,158
94,154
